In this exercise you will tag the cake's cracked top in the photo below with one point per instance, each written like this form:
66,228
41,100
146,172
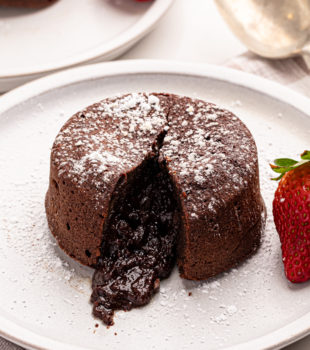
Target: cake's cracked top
203,140
208,147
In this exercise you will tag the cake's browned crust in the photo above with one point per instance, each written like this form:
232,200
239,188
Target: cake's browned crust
27,3
209,153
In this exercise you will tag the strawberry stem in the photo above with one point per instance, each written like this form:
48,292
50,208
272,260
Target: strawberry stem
283,165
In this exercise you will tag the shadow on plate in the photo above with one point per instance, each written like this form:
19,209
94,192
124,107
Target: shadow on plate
79,269
9,12
130,6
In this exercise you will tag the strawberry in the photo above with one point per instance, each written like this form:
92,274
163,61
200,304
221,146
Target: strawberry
291,212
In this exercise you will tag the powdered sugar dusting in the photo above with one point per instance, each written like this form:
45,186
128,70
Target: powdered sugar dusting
204,145
93,147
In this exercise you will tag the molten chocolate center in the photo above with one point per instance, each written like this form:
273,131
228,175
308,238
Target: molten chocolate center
139,240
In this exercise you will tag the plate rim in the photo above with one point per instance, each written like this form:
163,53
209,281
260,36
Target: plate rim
273,340
109,49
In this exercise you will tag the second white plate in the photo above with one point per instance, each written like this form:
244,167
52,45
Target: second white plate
45,296
70,32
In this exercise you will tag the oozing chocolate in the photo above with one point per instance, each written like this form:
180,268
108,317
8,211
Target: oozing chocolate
139,241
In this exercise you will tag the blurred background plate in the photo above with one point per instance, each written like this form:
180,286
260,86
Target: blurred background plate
45,296
70,32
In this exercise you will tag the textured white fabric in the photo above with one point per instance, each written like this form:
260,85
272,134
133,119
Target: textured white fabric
291,72
5,345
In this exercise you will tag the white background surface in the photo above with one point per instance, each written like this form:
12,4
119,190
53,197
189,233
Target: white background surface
194,31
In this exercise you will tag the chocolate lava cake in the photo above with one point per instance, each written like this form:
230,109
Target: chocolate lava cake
27,3
140,181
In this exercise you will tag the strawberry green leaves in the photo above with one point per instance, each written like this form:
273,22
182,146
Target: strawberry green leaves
285,162
283,165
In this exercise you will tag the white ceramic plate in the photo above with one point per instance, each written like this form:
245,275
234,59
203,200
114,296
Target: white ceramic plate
44,295
70,32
